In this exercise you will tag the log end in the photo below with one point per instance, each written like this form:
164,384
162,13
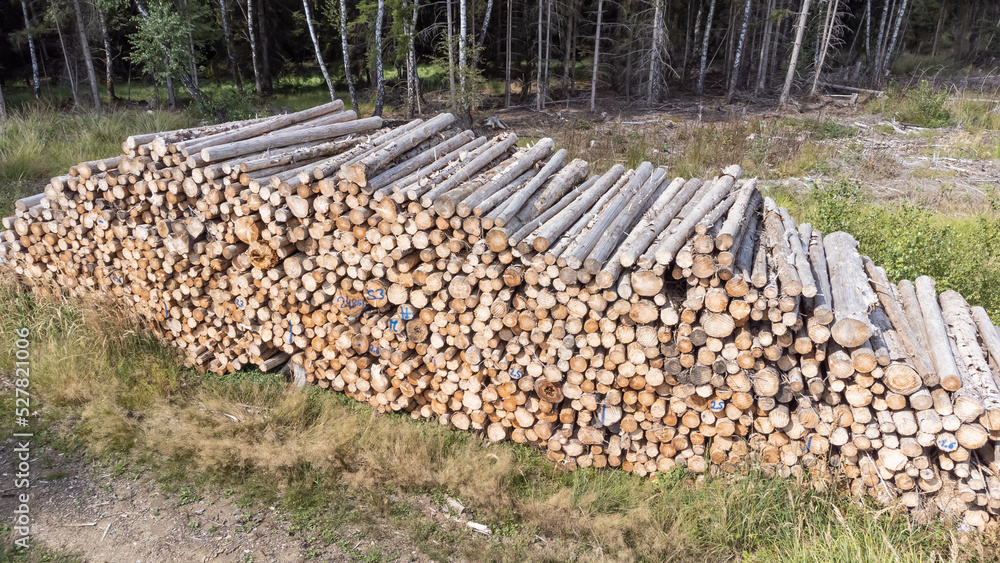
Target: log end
851,333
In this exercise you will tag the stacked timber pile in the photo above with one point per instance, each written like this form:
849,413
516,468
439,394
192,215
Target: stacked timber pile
624,319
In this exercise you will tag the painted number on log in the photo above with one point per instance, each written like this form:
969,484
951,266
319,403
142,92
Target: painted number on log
947,444
516,373
716,405
406,312
350,304
375,295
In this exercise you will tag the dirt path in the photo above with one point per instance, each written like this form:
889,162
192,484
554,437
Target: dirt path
81,508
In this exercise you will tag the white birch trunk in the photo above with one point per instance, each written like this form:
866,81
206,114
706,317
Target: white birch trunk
36,85
538,66
597,54
895,37
700,89
227,37
799,33
653,85
765,50
379,73
463,31
881,38
258,85
548,46
347,56
451,60
510,10
734,78
319,55
108,59
69,68
88,60
486,21
831,14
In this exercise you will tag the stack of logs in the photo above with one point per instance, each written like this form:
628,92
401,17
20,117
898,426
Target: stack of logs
627,319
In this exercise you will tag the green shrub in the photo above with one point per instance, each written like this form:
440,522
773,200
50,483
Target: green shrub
909,241
922,106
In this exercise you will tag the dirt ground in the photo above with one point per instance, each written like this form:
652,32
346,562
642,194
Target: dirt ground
81,508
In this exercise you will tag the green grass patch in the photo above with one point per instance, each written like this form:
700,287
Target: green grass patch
961,252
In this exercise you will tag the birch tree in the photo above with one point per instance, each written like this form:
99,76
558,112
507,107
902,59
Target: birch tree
257,83
765,46
653,84
70,74
800,30
538,70
734,78
88,60
347,55
826,36
451,59
108,58
463,21
597,54
895,36
36,86
227,39
379,74
507,66
319,54
700,89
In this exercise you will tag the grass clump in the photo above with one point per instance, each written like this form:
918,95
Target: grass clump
922,106
908,240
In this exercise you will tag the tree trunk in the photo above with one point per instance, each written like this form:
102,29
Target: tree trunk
548,47
799,32
258,85
36,85
87,59
653,85
881,38
507,67
451,61
765,48
486,22
895,36
568,48
3,105
410,67
868,31
538,66
347,57
739,52
696,37
379,74
937,30
171,95
463,21
827,32
227,37
319,55
700,89
69,68
108,59
265,47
